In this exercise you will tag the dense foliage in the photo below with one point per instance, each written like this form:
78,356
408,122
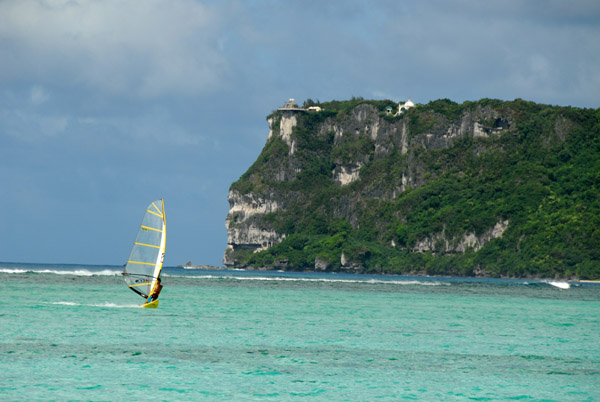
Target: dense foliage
543,177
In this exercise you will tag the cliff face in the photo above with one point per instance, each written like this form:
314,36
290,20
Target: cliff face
245,230
352,188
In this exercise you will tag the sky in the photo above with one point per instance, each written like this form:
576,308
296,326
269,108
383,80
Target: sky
108,105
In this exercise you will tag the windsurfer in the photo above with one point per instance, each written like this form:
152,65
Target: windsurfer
157,290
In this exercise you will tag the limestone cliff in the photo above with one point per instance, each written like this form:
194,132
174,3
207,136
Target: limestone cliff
352,187
245,230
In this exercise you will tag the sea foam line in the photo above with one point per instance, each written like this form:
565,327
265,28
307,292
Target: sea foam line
106,304
324,280
559,284
77,272
110,272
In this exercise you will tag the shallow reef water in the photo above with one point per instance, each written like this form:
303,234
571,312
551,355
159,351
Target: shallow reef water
74,332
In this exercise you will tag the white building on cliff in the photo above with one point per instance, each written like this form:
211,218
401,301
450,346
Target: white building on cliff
405,106
291,106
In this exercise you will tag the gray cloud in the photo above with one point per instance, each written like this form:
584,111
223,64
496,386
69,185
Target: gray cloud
121,47
533,49
107,104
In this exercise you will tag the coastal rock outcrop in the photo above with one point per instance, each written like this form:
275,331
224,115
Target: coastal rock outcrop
356,139
440,243
349,186
245,229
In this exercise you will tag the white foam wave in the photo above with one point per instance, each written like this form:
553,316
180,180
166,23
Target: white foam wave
323,280
105,304
14,271
559,284
113,305
117,272
77,272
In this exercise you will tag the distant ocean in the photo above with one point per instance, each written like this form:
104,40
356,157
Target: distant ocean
76,332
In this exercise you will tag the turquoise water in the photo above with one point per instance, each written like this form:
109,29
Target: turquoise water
77,333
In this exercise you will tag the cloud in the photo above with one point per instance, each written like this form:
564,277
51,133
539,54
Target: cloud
38,95
116,101
31,126
156,129
465,49
146,49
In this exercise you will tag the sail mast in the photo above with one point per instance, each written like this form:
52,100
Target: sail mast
163,241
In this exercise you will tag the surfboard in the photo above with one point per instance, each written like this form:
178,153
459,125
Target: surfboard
152,304
142,270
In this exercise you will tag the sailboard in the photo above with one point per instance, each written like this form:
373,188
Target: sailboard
142,270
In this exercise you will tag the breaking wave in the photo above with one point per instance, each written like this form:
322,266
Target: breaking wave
76,272
109,305
315,280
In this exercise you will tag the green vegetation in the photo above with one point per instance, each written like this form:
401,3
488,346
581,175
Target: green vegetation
542,176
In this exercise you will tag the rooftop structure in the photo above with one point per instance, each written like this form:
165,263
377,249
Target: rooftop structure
405,106
291,105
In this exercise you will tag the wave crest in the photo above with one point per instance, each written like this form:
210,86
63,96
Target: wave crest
76,272
316,280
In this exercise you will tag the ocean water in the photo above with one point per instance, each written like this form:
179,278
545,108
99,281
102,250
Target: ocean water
77,333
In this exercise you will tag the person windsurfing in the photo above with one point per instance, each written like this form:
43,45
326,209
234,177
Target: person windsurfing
157,290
